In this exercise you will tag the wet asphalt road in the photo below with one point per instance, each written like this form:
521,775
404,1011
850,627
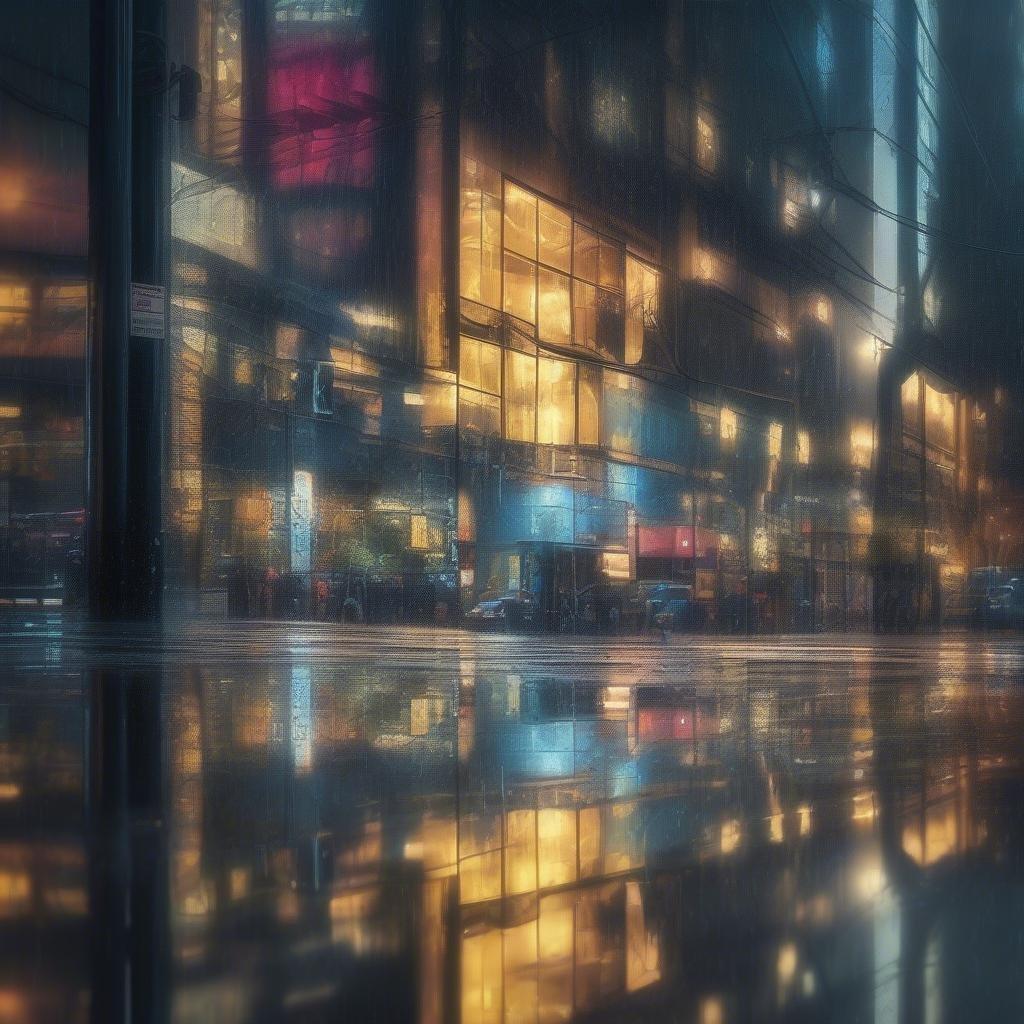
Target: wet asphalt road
319,823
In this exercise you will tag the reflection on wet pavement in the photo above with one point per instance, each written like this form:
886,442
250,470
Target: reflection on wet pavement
385,826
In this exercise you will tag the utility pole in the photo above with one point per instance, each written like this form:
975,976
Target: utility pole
110,209
128,83
147,359
128,875
898,360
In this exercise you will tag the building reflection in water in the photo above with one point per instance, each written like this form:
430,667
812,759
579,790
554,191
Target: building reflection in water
747,841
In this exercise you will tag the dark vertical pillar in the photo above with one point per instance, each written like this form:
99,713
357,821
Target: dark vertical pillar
110,163
126,243
896,361
128,863
147,356
110,857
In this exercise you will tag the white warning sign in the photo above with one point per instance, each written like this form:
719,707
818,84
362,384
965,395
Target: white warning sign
149,319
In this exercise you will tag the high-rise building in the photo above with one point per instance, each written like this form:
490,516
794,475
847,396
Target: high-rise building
471,300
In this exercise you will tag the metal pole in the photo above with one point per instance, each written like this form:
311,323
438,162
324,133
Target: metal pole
110,207
146,359
895,361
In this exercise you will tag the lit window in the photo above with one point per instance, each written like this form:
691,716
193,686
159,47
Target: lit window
15,302
584,303
479,387
520,288
419,538
554,314
556,401
641,306
479,413
589,405
797,201
556,855
554,241
520,396
711,267
480,235
862,444
910,394
520,221
727,425
940,418
438,404
821,310
219,125
480,365
706,143
609,265
775,440
585,254
803,447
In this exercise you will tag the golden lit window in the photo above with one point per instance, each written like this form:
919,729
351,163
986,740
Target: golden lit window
219,125
585,254
554,236
520,396
711,267
821,309
727,425
520,288
438,404
584,308
556,401
480,365
940,418
520,221
862,444
556,849
554,307
15,299
609,265
706,143
910,395
419,537
479,412
479,387
641,306
521,854
480,234
775,440
242,370
589,405
803,447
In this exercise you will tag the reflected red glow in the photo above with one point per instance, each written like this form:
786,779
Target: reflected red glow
676,723
323,105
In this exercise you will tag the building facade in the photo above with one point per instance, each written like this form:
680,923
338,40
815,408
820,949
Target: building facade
466,300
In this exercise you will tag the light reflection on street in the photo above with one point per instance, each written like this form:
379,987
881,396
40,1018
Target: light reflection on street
380,826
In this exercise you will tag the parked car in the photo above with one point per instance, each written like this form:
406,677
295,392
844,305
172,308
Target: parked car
1005,606
660,595
677,614
513,609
